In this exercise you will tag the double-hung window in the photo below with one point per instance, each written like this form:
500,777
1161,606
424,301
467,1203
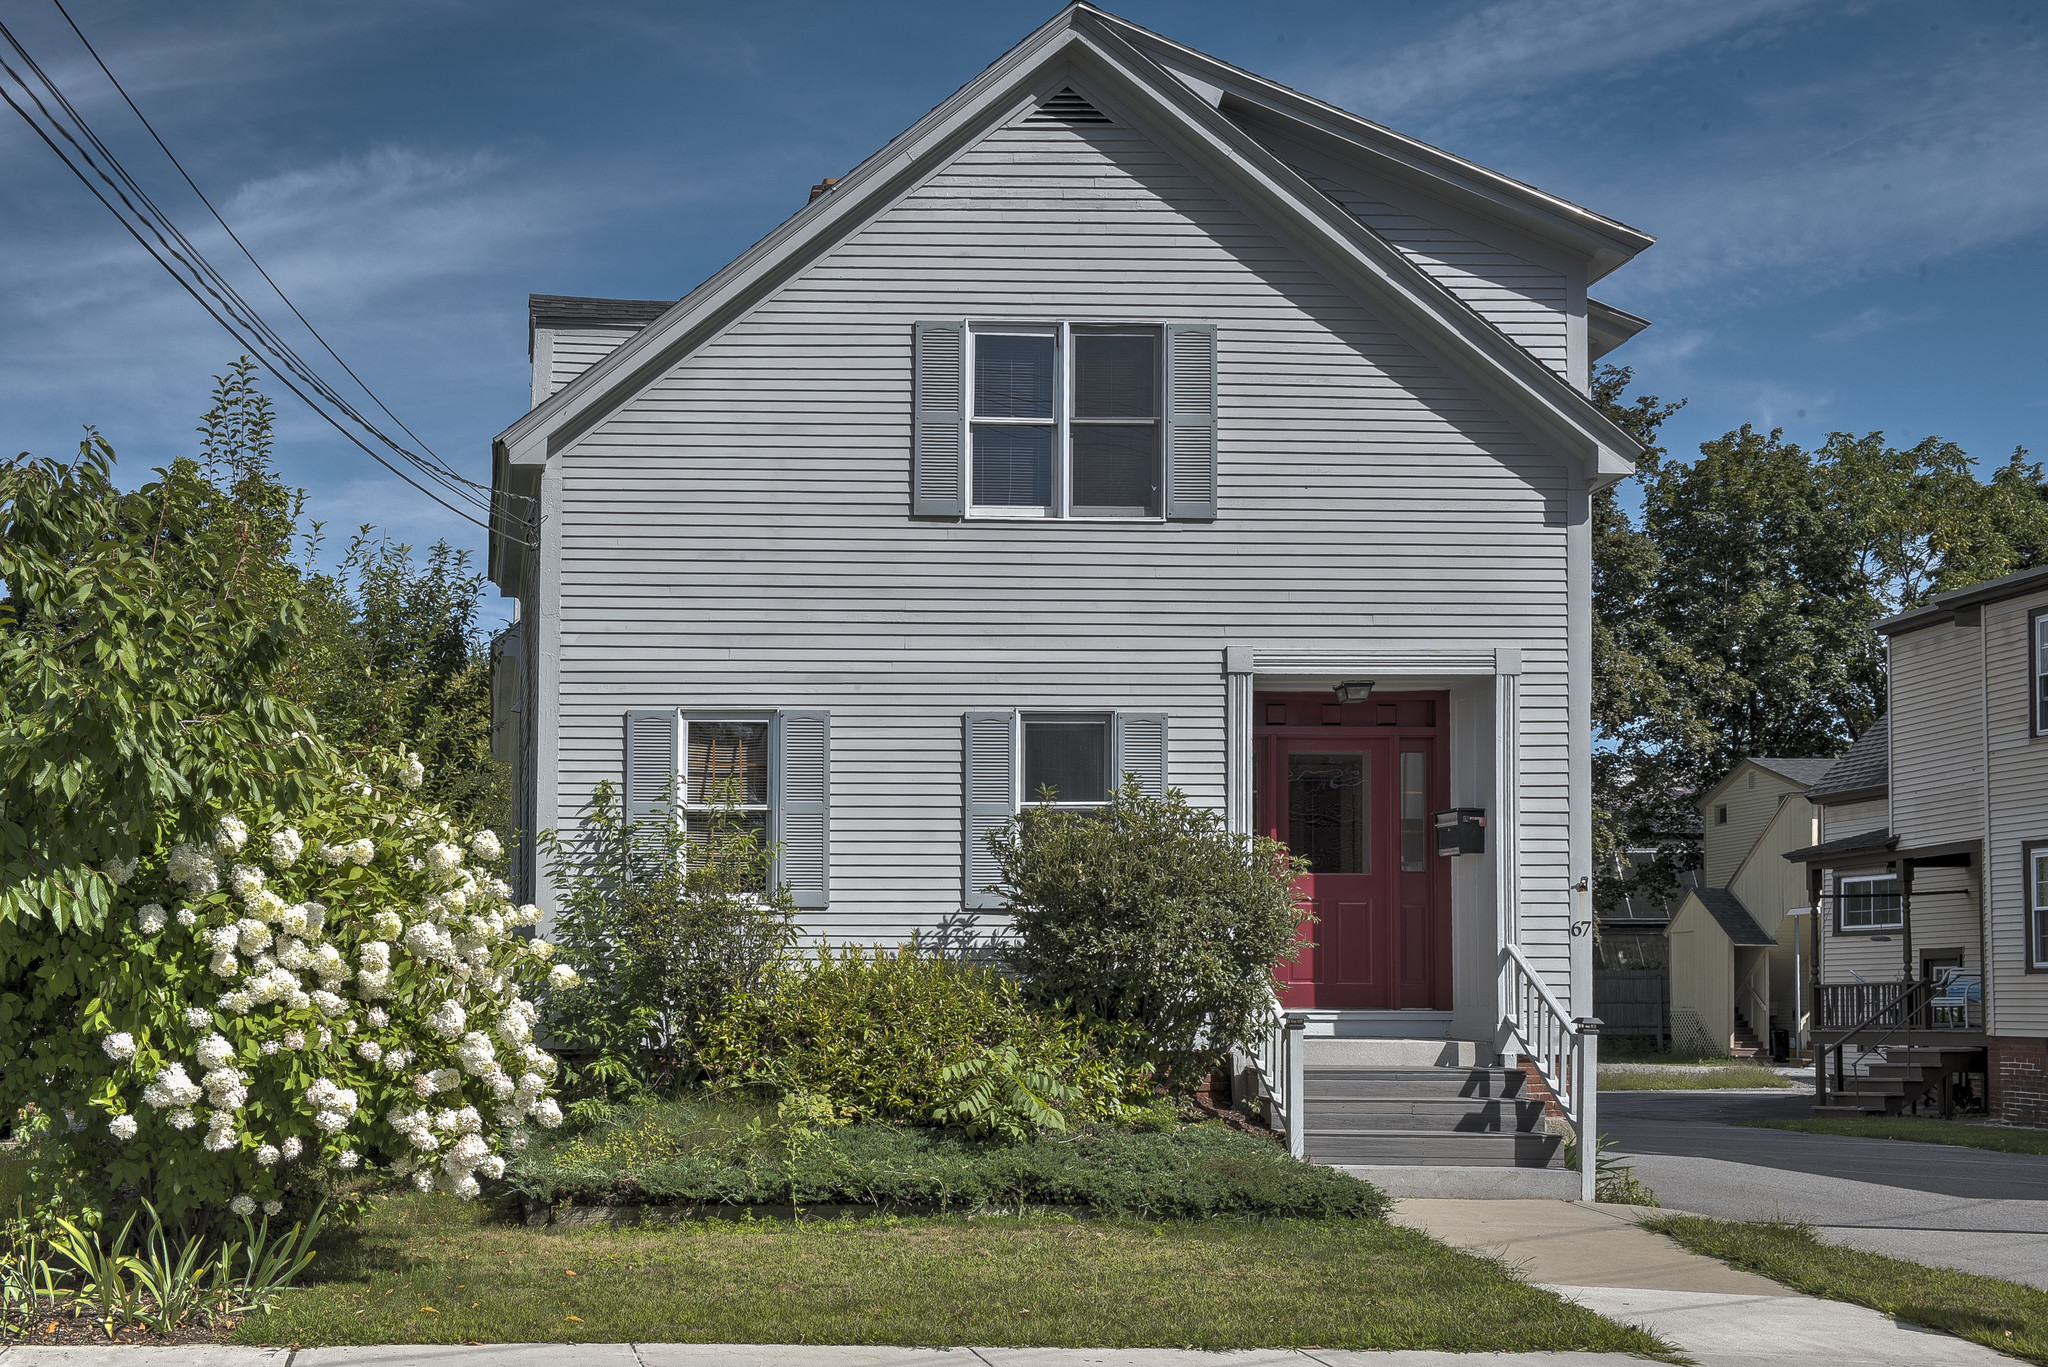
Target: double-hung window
2037,908
1065,421
726,775
2038,657
1066,760
1870,902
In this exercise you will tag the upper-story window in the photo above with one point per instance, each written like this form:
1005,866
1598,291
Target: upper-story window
1065,421
2040,661
1869,903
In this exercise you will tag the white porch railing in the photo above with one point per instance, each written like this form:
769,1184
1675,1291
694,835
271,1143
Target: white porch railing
1274,1067
1565,1050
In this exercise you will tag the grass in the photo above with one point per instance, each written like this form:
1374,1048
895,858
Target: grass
1919,1129
1641,1051
1999,1314
1689,1078
427,1269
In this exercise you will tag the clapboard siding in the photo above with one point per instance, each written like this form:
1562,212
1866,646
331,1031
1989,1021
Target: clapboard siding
1937,735
737,536
2018,812
1752,802
573,350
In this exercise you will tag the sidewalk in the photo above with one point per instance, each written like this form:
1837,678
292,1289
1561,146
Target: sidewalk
1717,1316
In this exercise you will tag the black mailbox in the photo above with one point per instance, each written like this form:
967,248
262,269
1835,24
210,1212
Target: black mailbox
1461,830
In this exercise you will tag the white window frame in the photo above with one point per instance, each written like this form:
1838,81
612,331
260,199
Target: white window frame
686,809
1061,508
2037,671
1843,894
1025,797
2037,906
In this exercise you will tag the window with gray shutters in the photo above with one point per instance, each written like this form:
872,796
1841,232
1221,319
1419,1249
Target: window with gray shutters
1071,759
768,771
1064,420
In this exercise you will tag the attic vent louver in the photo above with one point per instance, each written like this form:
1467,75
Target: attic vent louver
1066,107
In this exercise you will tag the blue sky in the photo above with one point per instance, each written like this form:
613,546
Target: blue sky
1851,198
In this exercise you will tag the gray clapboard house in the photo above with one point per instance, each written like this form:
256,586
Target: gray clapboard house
1127,414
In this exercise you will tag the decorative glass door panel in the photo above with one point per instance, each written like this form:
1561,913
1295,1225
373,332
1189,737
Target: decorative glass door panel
1349,789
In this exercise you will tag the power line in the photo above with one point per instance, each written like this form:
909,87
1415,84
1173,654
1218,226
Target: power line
285,363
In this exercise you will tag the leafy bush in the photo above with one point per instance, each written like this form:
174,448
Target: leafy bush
689,1154
1150,916
912,1036
668,929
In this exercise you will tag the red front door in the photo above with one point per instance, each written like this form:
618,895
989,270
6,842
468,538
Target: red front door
1349,788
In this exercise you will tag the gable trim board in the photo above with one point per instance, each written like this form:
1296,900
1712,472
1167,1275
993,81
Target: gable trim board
1082,48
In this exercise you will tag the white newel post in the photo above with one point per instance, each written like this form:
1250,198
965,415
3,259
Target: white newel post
1297,1127
1587,1085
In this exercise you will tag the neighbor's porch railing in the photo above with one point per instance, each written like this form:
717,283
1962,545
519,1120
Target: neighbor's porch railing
1565,1050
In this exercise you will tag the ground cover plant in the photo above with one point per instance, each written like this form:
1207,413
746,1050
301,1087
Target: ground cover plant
1631,1077
1969,1134
1999,1314
917,1037
727,1154
429,1270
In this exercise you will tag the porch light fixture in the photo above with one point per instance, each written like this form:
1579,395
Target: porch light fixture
1355,690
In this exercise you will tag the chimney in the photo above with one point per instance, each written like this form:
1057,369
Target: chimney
824,186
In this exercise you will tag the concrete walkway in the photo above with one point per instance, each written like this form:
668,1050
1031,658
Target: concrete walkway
1938,1204
1715,1315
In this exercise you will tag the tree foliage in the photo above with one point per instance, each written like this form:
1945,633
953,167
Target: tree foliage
1734,610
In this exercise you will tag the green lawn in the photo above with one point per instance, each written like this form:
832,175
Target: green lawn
1641,1078
1920,1129
429,1270
1999,1314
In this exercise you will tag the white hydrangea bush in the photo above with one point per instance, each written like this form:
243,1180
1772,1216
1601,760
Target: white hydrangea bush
319,990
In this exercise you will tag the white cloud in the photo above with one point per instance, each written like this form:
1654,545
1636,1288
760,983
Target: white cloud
1502,54
1870,321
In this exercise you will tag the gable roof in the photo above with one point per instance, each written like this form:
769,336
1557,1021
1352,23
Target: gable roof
1733,917
1107,60
1801,773
1865,772
1955,604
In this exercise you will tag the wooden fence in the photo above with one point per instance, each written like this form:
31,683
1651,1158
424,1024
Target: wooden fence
1634,1002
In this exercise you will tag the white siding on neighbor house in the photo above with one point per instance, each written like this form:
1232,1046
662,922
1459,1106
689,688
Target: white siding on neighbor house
738,535
1753,802
1937,735
2018,811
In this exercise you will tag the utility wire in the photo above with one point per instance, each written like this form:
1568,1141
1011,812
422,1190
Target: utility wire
247,321
172,157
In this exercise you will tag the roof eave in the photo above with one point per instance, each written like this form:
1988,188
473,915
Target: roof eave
1846,795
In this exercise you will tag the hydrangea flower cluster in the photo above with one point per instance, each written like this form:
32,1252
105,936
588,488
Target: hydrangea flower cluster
326,977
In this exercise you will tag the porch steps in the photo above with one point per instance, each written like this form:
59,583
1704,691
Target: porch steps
1746,1044
1431,1116
1905,1076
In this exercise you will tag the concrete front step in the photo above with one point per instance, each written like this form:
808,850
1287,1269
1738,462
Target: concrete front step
1356,1083
1456,1114
1436,1148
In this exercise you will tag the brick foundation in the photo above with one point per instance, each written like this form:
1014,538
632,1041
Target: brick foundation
1537,1087
2016,1076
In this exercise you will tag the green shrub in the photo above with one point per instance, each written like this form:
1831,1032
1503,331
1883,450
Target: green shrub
667,929
1153,918
877,1032
690,1154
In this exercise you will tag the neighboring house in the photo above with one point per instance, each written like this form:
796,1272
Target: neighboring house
1932,866
1734,940
1127,414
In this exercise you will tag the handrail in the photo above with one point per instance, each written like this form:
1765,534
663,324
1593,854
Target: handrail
1277,1063
1565,1050
1821,1091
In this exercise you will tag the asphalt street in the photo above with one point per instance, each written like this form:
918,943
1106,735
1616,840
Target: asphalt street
1950,1207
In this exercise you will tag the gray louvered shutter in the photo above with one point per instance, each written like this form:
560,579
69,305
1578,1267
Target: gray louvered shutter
1191,420
802,790
651,765
990,785
938,456
1139,744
